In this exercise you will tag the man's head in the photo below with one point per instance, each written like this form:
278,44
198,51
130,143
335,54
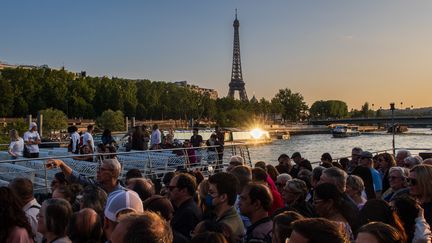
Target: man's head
235,160
284,159
33,127
366,159
108,172
355,155
23,188
195,131
400,156
335,176
181,188
85,226
296,156
314,230
143,187
244,176
255,198
145,227
90,128
223,189
411,161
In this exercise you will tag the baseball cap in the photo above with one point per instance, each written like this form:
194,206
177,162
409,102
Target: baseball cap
366,154
121,200
33,124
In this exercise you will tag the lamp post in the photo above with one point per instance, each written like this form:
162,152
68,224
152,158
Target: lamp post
392,108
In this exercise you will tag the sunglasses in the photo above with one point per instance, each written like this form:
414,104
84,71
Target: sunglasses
412,181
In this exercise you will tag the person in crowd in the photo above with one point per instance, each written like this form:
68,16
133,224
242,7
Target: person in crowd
272,172
58,180
107,138
196,139
181,191
282,227
144,187
137,139
209,237
85,226
74,140
221,139
202,191
131,174
255,203
366,161
305,165
262,165
284,165
400,157
23,188
15,226
87,138
53,220
398,183
85,150
156,137
366,175
260,176
120,203
355,157
190,153
244,176
297,158
329,204
326,160
32,141
106,176
411,161
420,186
412,218
306,176
146,227
354,189
281,181
385,162
294,195
221,197
344,163
16,146
378,232
427,161
69,193
93,197
166,182
234,161
214,141
377,210
323,231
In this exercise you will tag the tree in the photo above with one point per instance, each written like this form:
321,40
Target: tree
293,105
330,108
112,120
6,98
53,120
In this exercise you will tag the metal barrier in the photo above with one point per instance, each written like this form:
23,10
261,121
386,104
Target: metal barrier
151,163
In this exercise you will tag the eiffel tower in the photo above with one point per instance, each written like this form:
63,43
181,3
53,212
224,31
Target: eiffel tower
237,83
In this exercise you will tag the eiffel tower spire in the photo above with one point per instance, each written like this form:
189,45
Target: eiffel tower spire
237,83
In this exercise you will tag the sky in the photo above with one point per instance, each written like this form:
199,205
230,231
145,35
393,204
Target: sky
355,51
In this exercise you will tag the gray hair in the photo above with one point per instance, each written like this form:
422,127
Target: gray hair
404,172
114,164
404,152
237,158
283,177
413,160
339,177
298,186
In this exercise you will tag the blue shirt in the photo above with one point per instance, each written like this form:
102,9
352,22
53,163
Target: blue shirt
377,180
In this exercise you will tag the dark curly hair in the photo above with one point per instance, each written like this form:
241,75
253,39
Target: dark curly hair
12,214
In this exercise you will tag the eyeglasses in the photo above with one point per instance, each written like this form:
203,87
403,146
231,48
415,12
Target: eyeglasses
412,181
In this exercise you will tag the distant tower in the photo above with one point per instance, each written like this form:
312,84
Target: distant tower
237,83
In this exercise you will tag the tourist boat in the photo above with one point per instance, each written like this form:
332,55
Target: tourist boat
342,131
397,128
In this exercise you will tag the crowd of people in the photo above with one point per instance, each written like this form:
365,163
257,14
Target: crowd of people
368,198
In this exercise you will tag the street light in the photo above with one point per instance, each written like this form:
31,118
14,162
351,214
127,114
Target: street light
392,108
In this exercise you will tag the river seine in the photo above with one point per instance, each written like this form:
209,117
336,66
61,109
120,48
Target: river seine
312,146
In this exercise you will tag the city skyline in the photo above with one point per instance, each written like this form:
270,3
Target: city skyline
357,52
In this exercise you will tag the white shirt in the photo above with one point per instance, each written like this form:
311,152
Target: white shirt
88,138
155,137
17,147
75,137
31,209
32,136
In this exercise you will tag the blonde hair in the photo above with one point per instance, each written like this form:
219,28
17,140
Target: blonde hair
423,176
356,183
14,136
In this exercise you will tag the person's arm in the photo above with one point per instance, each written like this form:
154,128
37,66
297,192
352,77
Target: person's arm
53,163
72,175
422,232
38,139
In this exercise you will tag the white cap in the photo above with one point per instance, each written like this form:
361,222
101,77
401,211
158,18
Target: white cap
33,124
122,200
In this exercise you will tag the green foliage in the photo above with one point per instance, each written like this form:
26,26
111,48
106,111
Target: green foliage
18,124
328,109
6,98
292,104
112,120
53,120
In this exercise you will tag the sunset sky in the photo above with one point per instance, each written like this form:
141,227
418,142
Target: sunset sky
355,51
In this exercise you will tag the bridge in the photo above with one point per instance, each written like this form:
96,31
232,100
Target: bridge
412,121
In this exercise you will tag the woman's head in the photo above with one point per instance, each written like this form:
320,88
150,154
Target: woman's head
326,158
419,182
386,161
398,178
355,186
378,232
282,225
407,208
13,134
54,217
294,191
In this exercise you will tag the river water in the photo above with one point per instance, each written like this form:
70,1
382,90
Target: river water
312,146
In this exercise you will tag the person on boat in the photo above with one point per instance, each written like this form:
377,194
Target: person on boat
385,161
156,137
16,146
221,197
365,174
107,138
87,138
294,196
282,225
196,139
85,150
244,176
234,161
284,165
355,157
260,176
398,184
106,176
323,231
85,226
379,232
281,181
213,141
421,188
14,224
32,141
74,140
354,190
297,158
53,220
190,153
326,160
400,157
411,161
366,161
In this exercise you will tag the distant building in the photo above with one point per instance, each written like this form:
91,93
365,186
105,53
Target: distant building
4,65
211,92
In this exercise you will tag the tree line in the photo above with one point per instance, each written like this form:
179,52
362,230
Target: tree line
28,91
